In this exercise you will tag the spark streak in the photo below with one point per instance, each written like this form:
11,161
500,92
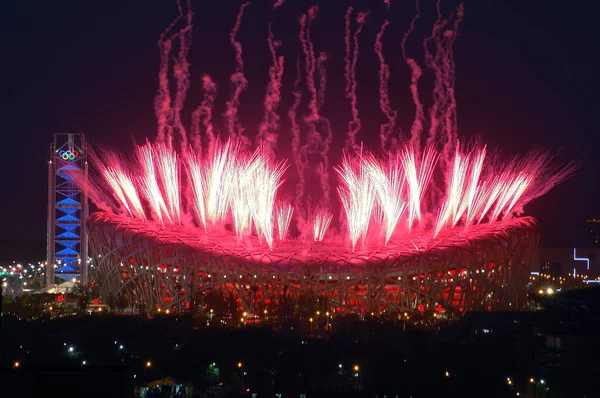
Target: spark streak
321,224
284,217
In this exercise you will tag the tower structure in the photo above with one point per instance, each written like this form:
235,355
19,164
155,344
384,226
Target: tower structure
67,239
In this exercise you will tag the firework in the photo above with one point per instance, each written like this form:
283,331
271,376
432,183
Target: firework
357,193
221,184
284,217
321,224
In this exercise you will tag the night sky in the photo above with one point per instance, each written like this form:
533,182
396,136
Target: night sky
526,77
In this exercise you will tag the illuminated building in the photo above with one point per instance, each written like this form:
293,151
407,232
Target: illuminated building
67,209
594,231
162,266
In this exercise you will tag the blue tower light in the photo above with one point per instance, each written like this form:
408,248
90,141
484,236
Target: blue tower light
67,209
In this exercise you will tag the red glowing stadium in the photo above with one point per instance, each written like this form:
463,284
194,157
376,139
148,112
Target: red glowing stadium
426,223
159,267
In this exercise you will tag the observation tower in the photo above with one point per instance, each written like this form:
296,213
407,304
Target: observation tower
67,241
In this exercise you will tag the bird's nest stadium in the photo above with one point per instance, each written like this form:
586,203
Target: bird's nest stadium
483,268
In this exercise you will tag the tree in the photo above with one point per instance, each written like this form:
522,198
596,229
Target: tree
121,303
212,374
111,301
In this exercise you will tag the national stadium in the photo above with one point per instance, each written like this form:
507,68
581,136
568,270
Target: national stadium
426,224
157,267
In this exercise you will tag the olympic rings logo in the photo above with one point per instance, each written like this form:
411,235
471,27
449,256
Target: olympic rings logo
69,154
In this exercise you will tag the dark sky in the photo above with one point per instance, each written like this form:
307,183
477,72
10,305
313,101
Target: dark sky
526,77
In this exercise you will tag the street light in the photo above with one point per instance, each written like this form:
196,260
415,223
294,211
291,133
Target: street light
240,366
16,364
148,365
531,380
311,322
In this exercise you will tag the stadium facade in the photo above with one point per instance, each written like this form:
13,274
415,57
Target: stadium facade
483,268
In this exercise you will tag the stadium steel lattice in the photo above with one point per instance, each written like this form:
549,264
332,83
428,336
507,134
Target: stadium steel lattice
160,267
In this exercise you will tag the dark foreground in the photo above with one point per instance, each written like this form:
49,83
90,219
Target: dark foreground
543,354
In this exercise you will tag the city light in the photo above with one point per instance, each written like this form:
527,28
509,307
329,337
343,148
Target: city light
587,260
148,364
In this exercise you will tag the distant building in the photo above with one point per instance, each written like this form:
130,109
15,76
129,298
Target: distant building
560,262
593,226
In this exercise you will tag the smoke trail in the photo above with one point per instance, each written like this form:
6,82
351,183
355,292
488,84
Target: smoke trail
182,76
309,56
432,62
451,124
162,101
443,110
417,126
322,78
296,150
316,144
354,125
388,4
326,126
386,129
203,114
278,3
347,34
239,83
267,134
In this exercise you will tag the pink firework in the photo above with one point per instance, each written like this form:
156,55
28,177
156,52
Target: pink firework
462,187
197,181
150,184
388,181
284,217
227,185
263,179
321,224
168,170
357,193
240,206
418,175
219,172
125,190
